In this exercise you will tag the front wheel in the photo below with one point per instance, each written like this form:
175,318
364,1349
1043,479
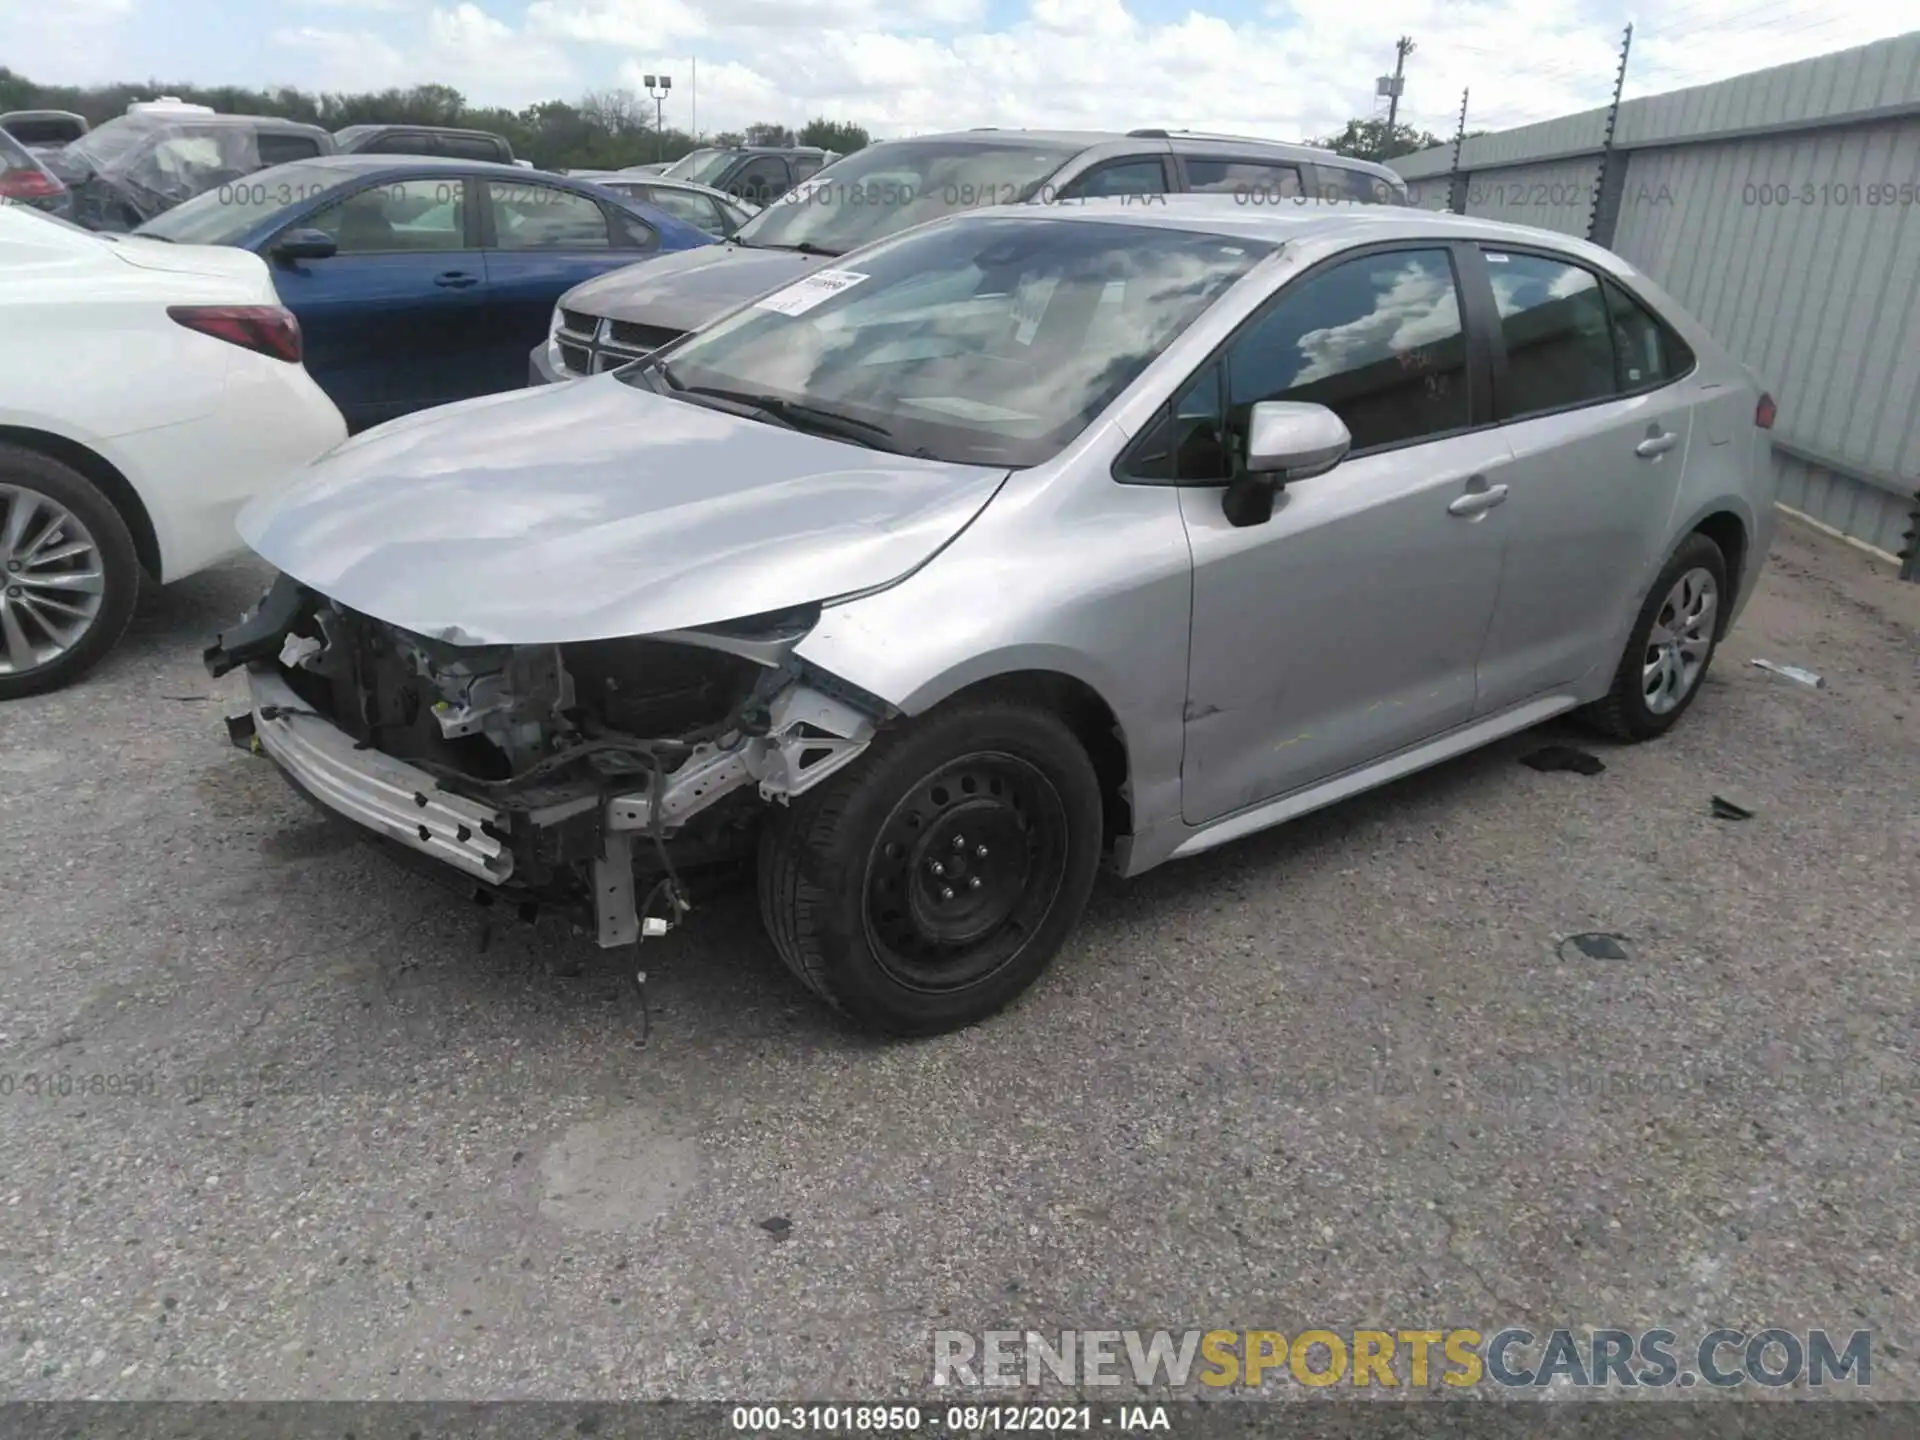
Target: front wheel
927,886
1672,644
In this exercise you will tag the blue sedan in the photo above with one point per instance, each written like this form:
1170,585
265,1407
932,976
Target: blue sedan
419,281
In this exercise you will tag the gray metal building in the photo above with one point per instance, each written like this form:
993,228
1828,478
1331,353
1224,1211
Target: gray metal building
1783,209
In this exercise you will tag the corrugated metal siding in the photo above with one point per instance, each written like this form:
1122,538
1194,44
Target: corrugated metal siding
1783,250
1555,196
1862,511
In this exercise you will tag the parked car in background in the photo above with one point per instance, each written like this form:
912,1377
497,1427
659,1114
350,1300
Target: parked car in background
896,184
419,281
441,140
25,179
147,391
701,206
760,173
44,129
142,164
1035,537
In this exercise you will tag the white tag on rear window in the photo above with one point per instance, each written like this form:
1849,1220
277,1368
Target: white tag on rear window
803,295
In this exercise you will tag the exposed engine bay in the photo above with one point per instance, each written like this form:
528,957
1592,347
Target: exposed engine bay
603,760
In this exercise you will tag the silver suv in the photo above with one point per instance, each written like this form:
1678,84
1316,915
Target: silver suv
891,186
1030,538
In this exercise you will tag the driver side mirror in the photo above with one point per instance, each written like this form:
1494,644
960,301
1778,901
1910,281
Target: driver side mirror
1286,441
304,245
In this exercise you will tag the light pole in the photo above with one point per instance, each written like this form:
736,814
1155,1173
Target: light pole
657,87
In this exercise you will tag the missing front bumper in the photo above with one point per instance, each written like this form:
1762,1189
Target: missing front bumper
387,796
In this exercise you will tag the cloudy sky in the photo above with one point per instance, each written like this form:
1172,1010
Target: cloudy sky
1285,68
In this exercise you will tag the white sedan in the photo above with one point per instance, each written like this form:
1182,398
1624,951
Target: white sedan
147,392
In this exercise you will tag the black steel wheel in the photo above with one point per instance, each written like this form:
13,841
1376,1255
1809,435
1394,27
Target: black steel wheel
926,886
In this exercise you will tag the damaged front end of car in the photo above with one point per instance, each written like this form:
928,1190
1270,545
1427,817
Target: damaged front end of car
558,775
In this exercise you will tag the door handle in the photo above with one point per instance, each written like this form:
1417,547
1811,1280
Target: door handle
1656,443
455,279
1480,498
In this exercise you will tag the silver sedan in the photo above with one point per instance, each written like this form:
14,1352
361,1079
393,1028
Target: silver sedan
1023,542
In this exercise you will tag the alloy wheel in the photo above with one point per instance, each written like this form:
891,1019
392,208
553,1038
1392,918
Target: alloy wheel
54,583
1680,641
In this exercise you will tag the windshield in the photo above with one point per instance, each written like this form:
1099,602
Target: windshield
700,165
889,187
105,147
984,341
222,215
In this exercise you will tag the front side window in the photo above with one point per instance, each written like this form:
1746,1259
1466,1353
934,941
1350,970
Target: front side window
1339,183
983,341
699,166
472,147
1243,177
896,184
1553,318
1146,176
760,180
541,217
403,217
1377,340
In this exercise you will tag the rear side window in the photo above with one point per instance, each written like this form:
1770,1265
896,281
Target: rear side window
543,217
1256,179
1646,352
1145,176
280,149
473,147
1339,183
1554,320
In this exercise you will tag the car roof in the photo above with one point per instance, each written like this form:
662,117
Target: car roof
357,164
1295,219
1088,139
197,117
410,125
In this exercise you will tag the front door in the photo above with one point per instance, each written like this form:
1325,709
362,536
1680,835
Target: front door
391,321
1346,627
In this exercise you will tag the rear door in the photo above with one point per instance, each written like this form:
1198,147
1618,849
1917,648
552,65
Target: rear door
1599,433
394,319
540,241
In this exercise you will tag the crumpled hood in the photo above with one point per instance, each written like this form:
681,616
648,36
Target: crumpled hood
596,510
685,290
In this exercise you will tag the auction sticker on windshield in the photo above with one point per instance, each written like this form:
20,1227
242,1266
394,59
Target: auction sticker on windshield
803,295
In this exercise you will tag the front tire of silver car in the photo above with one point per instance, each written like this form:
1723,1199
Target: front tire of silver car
69,574
1673,642
925,888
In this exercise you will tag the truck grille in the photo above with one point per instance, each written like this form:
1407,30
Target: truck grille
642,339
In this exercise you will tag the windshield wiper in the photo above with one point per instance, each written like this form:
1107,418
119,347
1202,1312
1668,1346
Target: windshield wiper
802,247
787,414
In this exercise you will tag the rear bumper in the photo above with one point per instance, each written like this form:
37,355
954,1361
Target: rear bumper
387,796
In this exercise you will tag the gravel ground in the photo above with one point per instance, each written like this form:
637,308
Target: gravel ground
1337,1075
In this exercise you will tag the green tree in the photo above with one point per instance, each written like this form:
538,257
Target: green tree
841,135
1370,140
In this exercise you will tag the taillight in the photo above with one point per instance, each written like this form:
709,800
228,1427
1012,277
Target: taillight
265,328
1763,412
29,184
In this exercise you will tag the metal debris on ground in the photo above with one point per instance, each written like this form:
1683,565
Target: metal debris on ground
1563,757
1793,672
1595,945
1725,809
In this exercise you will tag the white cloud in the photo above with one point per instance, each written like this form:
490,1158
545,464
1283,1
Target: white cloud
1294,69
72,38
346,59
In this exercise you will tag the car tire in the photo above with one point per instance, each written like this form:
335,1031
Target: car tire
929,884
1672,645
29,478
